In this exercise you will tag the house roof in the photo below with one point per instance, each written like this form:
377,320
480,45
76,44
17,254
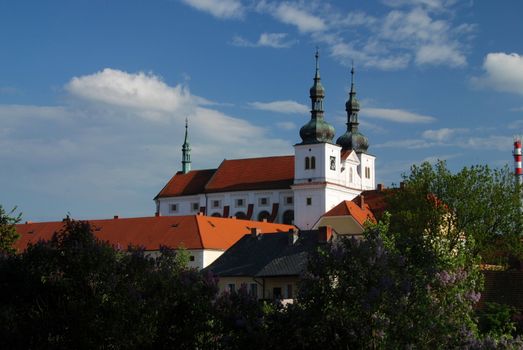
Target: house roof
267,255
377,200
190,232
234,175
350,208
187,184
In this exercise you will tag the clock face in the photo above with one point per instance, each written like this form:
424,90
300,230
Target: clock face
333,163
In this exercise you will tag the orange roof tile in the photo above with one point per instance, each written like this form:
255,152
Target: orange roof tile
187,184
253,174
346,208
191,231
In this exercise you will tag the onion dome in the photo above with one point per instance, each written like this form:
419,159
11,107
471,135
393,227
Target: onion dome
353,139
317,130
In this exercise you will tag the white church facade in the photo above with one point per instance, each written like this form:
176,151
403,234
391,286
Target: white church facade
296,189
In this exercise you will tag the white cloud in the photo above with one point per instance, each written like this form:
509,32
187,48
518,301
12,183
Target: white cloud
291,13
440,54
219,8
503,72
397,115
286,125
274,40
441,135
288,107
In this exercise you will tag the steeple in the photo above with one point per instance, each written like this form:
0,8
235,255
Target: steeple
352,139
317,130
186,152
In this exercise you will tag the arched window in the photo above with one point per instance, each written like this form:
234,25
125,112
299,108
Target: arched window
240,215
264,215
288,217
307,163
313,162
216,215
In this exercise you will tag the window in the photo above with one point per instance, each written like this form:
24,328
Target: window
216,215
276,293
191,258
263,201
309,201
264,215
216,203
313,162
253,289
240,203
307,163
367,172
232,287
289,200
333,163
289,291
174,207
195,206
288,217
351,176
240,215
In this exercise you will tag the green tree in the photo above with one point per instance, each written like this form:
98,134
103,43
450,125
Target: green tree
477,209
8,234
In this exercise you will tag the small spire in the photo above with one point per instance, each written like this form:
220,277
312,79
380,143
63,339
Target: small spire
317,61
186,151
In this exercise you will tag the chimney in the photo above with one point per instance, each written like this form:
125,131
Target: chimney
361,201
255,231
264,220
200,213
115,217
157,214
292,236
324,234
402,184
381,187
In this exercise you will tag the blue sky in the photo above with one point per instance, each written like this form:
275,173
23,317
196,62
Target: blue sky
94,94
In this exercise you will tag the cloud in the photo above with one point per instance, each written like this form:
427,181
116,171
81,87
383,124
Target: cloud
107,147
440,54
223,9
441,135
274,40
397,115
286,125
8,90
287,107
294,14
503,72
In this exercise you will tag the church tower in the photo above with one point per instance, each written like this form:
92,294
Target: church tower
186,152
316,163
354,140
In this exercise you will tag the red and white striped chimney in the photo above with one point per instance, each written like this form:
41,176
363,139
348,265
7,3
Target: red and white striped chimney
518,170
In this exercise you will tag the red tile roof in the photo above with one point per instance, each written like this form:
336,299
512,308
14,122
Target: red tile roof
187,184
253,174
234,175
191,231
346,208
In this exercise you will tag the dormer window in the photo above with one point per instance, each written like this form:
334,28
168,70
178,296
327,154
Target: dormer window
174,208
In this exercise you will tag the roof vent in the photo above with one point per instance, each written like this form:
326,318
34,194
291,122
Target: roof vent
174,225
115,217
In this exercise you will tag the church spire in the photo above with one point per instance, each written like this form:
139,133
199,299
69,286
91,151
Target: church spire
352,139
186,152
317,130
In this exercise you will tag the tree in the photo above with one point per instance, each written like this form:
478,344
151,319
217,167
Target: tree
478,209
8,234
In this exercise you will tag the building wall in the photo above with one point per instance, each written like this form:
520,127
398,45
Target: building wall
215,203
265,286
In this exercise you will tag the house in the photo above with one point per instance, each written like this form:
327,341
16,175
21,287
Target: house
348,217
205,238
269,265
293,189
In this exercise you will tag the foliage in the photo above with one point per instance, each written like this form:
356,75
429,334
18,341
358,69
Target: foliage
496,320
476,209
8,234
78,292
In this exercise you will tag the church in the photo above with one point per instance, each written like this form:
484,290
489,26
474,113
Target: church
295,189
